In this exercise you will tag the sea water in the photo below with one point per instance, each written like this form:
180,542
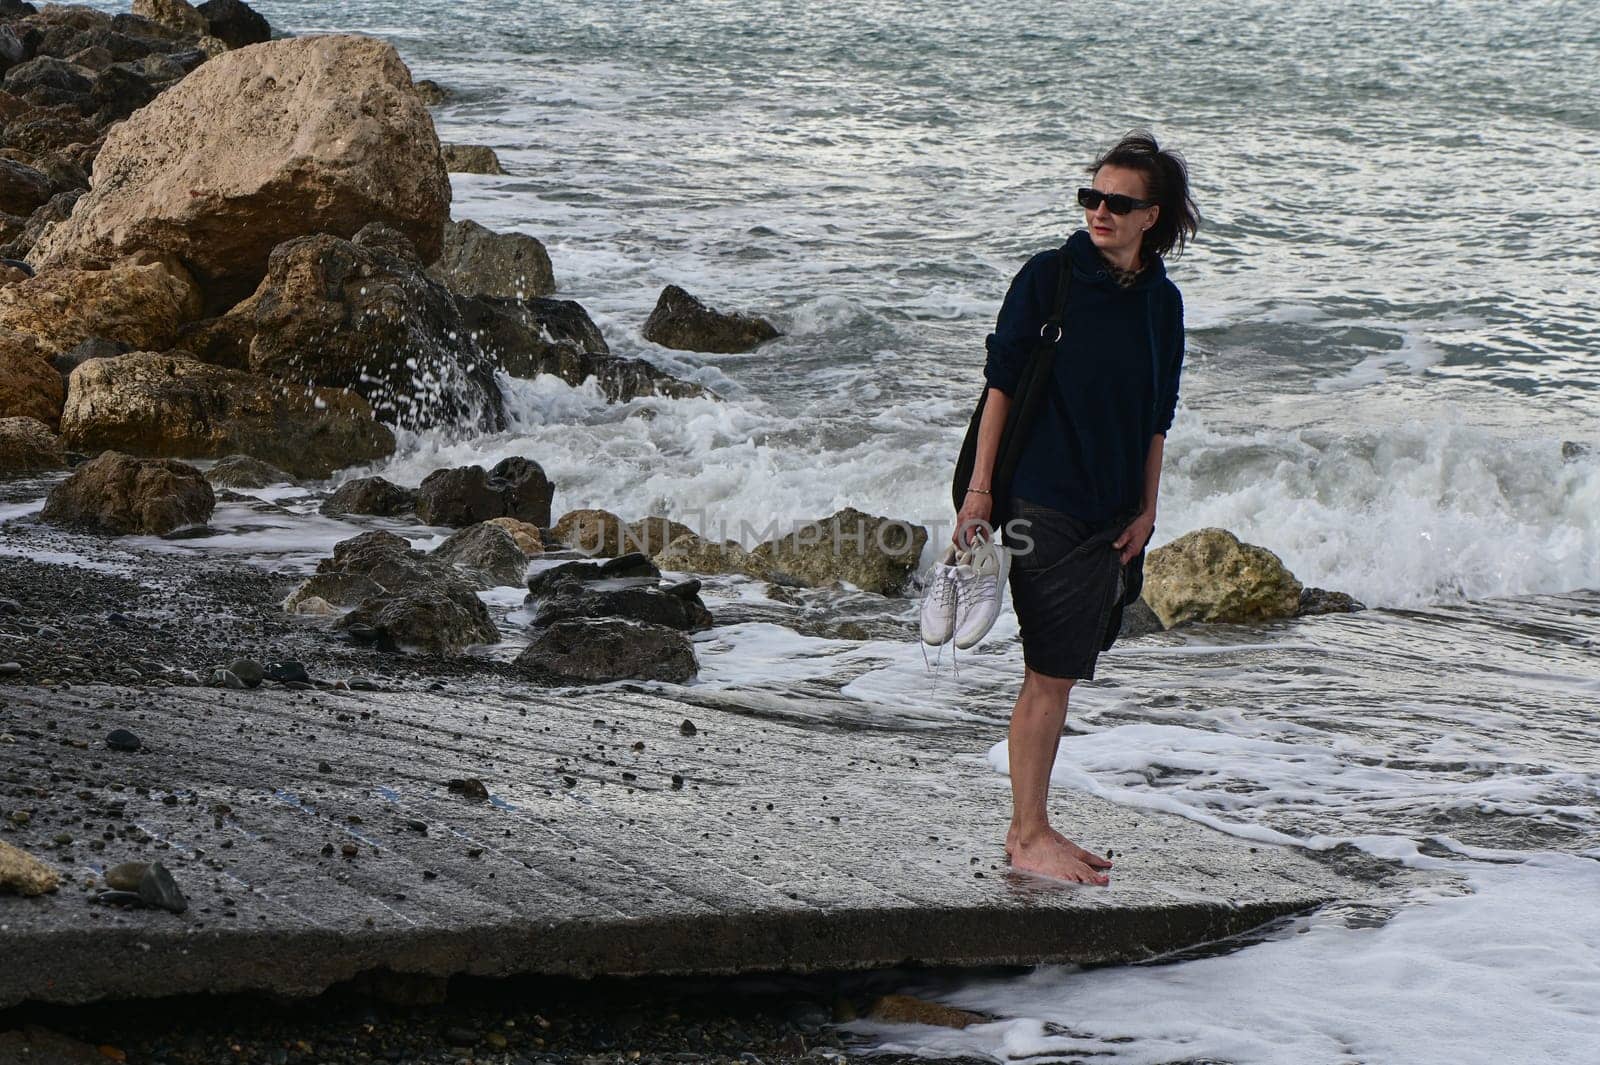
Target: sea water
1392,381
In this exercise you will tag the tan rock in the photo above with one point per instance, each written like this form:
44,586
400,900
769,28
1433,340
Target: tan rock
175,407
176,14
28,446
873,553
141,306
653,534
29,386
592,531
907,1009
471,159
119,494
1209,575
24,874
691,553
525,533
258,145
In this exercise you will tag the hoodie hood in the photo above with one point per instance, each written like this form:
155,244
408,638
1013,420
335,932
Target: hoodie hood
1090,266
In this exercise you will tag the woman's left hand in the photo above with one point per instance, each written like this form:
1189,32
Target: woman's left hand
1136,535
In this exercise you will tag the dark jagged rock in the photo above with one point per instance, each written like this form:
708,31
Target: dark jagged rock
488,553
515,488
48,81
683,322
1139,620
402,598
53,210
341,315
630,566
370,495
596,652
118,494
433,94
656,606
437,618
235,23
23,189
1315,601
538,336
122,740
157,888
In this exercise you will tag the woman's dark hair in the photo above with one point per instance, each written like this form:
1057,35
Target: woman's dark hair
1166,182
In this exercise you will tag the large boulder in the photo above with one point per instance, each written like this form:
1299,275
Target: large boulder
140,305
1209,575
480,262
526,338
515,488
29,386
873,553
402,598
485,553
118,494
299,136
370,495
177,407
28,446
683,322
362,315
612,649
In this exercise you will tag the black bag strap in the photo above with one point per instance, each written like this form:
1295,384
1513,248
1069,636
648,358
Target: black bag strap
1031,388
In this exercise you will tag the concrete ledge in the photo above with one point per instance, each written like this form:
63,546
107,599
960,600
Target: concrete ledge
782,848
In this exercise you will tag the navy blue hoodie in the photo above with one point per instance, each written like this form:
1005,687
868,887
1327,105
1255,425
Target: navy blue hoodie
1115,379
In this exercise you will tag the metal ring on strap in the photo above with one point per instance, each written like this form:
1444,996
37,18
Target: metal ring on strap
1051,325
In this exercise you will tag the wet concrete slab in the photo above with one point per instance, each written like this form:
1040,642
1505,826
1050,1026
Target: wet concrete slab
316,837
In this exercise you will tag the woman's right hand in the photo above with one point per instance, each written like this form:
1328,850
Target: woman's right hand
976,509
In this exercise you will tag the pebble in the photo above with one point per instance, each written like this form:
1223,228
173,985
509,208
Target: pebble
247,670
687,728
9,607
123,740
157,888
286,672
471,787
349,850
417,826
324,767
126,877
10,669
363,684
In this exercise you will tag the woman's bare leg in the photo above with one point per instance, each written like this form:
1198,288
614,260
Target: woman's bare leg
1031,844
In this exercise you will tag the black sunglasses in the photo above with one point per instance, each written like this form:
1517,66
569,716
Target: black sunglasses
1116,202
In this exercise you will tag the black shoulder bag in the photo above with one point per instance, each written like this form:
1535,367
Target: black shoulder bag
1032,387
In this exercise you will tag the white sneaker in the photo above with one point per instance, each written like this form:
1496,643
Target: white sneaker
939,602
980,588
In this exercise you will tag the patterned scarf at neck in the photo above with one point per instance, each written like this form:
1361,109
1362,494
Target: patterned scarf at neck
1123,278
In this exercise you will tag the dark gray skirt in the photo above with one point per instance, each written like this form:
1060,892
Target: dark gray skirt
1065,587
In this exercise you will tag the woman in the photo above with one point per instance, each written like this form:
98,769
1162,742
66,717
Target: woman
1086,481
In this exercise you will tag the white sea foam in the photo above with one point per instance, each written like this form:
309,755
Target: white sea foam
1505,973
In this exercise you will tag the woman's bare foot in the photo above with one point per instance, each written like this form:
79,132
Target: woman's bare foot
1089,858
1052,854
